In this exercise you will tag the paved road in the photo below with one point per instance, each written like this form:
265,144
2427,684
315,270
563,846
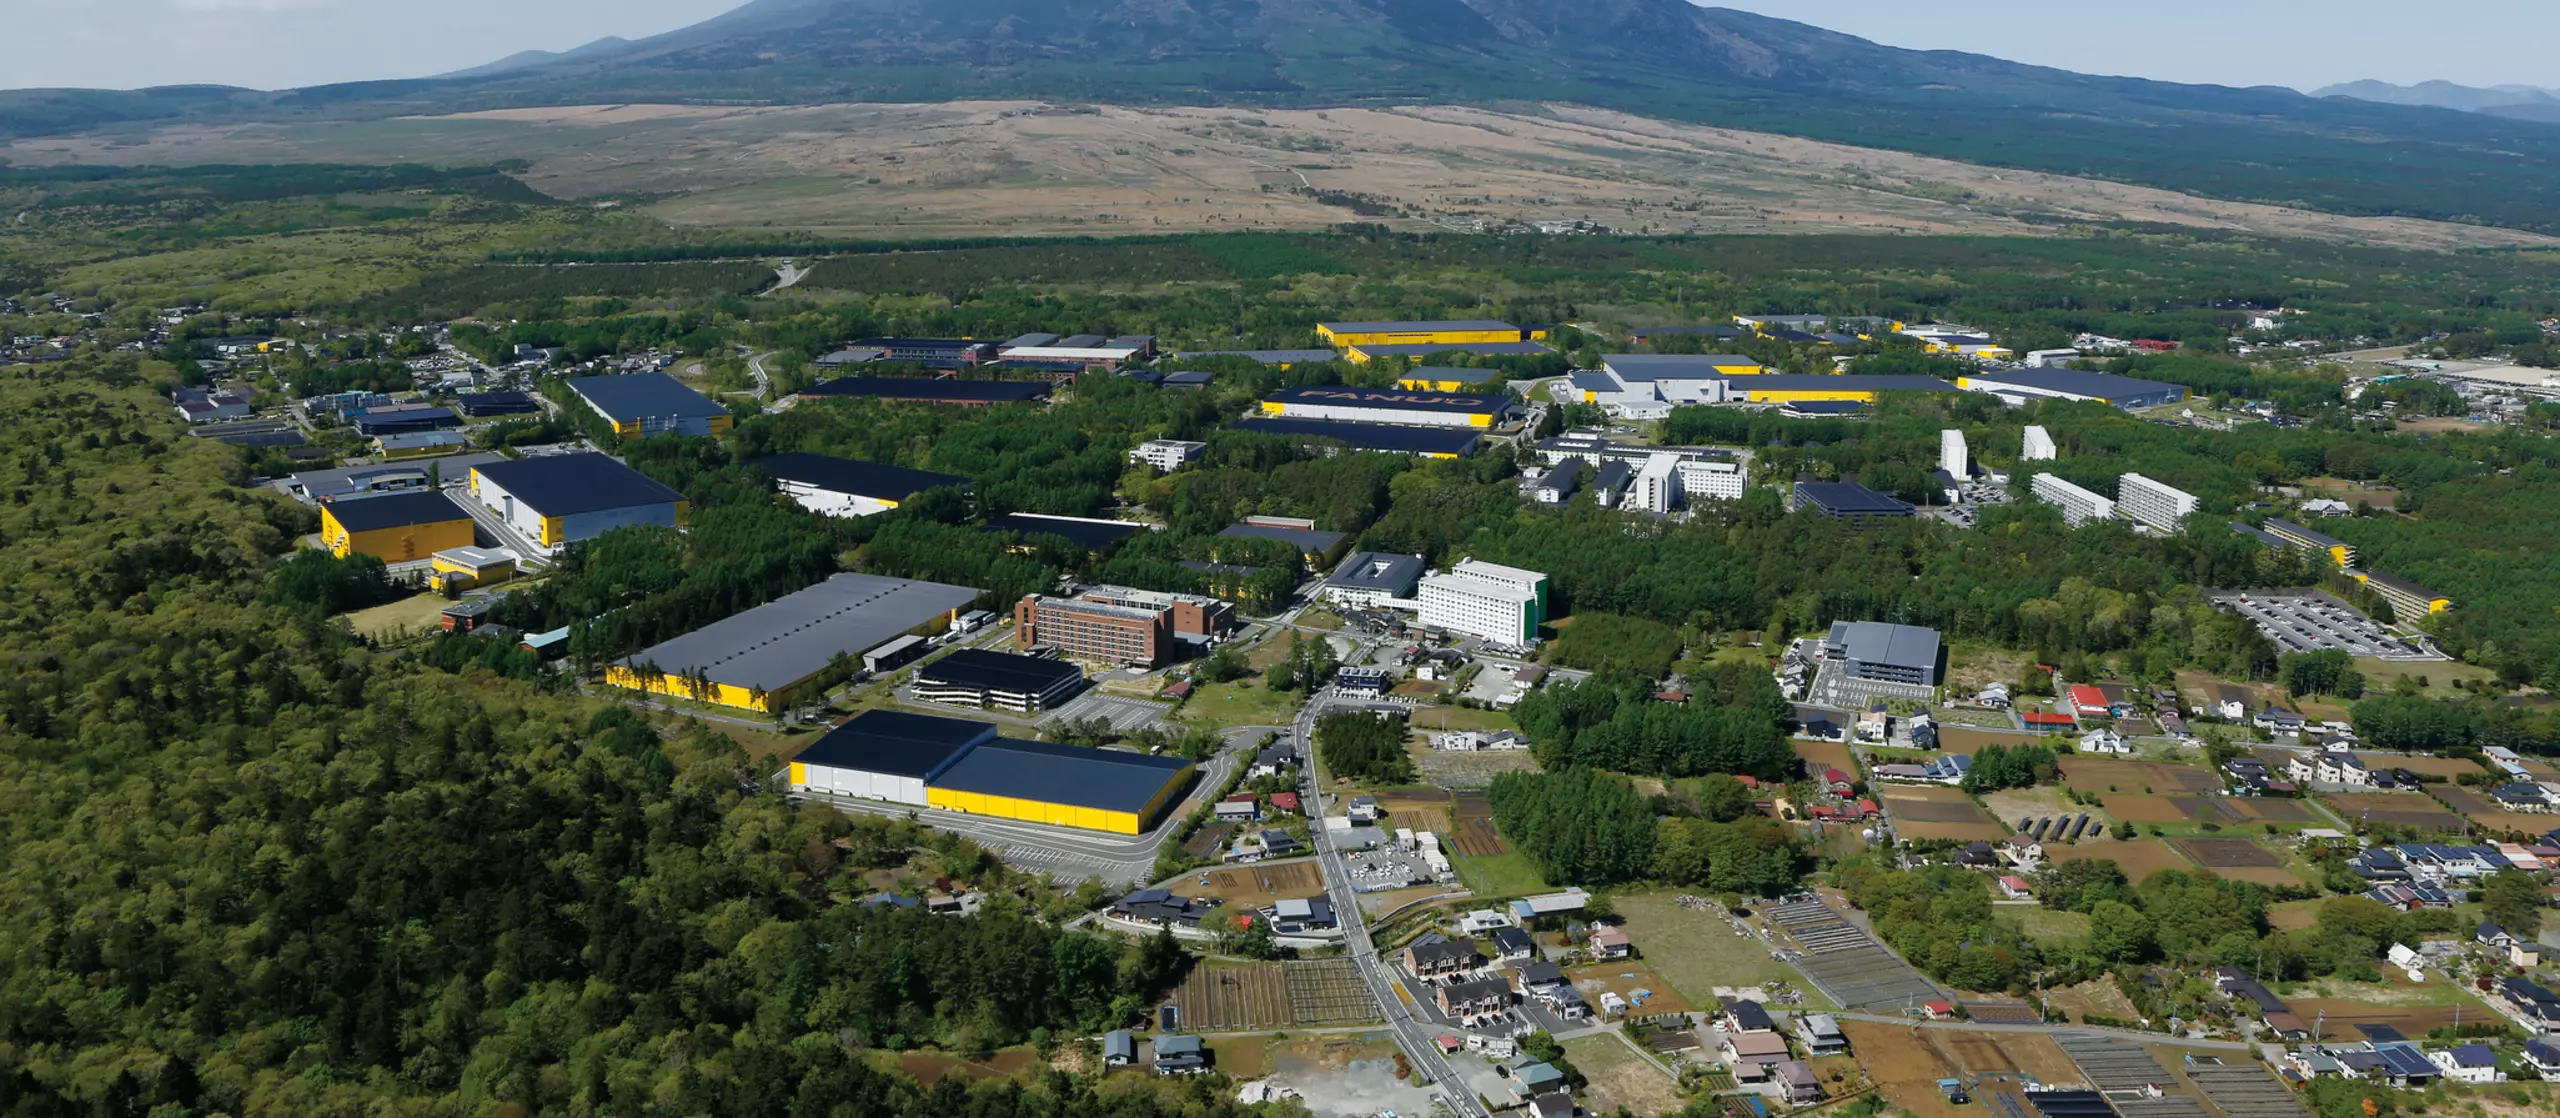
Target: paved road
1412,1034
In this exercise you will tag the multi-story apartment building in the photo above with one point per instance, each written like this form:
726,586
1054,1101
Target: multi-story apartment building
1719,481
1953,457
1167,455
2039,446
2079,506
1657,486
2149,502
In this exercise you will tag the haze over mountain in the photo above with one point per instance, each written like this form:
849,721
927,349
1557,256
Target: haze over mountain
2519,102
1664,58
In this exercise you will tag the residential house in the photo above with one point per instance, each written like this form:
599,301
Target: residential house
1531,1080
1556,1105
2022,850
1272,762
1798,1083
2410,897
1512,944
2538,1006
1295,916
1158,907
2105,741
1822,1035
1978,856
1748,1016
1435,957
2279,720
1539,976
1752,1055
1482,920
1611,943
1181,1055
2311,1063
2522,796
2015,887
2404,1066
1469,1002
2542,1056
1364,809
2228,703
1119,1049
1242,807
1549,904
2468,1063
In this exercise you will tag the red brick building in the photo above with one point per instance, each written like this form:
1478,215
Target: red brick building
1118,625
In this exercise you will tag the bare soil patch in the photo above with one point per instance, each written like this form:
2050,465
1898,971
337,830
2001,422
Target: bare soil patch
2223,853
2446,767
2479,809
1475,835
1254,886
2138,859
2401,809
1828,754
2090,774
2145,809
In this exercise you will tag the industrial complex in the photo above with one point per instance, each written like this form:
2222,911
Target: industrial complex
559,500
644,405
961,765
1121,626
754,659
998,681
394,527
832,486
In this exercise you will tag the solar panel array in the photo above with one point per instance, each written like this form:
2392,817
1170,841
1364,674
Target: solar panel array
2122,1066
2245,1090
1846,962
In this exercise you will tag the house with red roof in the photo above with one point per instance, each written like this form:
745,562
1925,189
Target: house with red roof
1285,801
1837,782
2041,720
2088,701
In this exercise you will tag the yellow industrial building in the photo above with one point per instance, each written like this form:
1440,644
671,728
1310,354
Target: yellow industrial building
1788,388
753,660
1345,335
960,765
462,568
394,527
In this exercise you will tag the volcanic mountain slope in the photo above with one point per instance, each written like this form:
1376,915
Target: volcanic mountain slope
1659,58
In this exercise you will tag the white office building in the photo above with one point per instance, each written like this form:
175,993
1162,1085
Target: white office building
1501,604
2149,502
2079,506
2039,446
1953,457
1713,481
1167,455
1657,487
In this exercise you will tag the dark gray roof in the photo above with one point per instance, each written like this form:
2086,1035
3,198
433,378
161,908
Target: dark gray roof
1845,382
570,484
1673,366
1462,376
997,671
2102,386
2316,539
896,743
1271,356
1841,498
635,396
793,637
2395,582
1391,399
1102,779
1415,327
1378,570
495,403
1309,540
1088,534
917,388
876,480
1426,349
1875,642
394,510
1387,437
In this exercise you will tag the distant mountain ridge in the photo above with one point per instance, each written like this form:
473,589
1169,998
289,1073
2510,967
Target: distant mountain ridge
2516,102
522,61
1661,58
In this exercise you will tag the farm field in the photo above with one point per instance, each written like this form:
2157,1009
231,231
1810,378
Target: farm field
1968,740
2397,808
2239,860
1230,997
1937,812
1475,835
2007,1054
2139,858
1829,754
2091,774
408,617
2047,926
2016,805
2341,1016
2294,916
2099,996
1508,874
1422,810
929,1068
1254,886
2446,767
2480,810
1620,1079
1905,1067
1695,952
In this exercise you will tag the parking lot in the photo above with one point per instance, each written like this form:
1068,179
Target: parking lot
1384,869
1125,714
2317,622
1833,688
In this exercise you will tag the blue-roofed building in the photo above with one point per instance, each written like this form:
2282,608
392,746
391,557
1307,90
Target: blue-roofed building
1387,438
2020,385
2404,1066
645,405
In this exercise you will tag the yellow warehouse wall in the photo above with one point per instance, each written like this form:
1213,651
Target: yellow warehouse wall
1797,396
676,686
398,544
799,775
1058,815
1418,337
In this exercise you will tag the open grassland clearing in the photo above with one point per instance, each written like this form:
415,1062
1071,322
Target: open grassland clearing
929,1068
407,618
2047,926
1630,979
1508,874
2446,767
1696,951
1621,1079
2100,996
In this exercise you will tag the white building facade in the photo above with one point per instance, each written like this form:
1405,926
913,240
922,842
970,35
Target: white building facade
1719,481
2149,502
1657,488
2039,446
2079,506
1167,455
1497,603
1953,457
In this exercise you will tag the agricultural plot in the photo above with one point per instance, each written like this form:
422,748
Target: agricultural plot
1226,998
1255,886
1934,812
2239,860
2244,1090
1852,969
2480,810
2115,1066
1828,754
2446,767
1904,1066
1475,836
2090,774
2397,809
2263,810
1968,740
1422,811
1208,840
2339,1018
2139,859
2142,808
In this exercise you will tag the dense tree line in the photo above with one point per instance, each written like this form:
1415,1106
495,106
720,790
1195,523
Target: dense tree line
1615,643
1363,748
2326,672
2009,766
1940,918
1581,827
1730,725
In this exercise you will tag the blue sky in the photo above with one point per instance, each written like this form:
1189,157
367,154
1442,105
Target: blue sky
2301,43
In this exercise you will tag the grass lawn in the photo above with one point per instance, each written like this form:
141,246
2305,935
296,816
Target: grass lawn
1697,951
2047,926
413,617
1433,719
1509,874
2380,675
1620,1079
1244,702
1320,619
